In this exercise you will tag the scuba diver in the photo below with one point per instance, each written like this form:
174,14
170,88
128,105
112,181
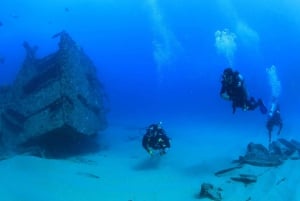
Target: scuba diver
155,138
274,119
233,89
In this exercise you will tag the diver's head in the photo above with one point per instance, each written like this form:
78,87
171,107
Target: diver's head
156,126
228,75
153,127
228,71
159,125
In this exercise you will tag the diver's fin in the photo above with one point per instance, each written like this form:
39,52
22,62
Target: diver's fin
263,109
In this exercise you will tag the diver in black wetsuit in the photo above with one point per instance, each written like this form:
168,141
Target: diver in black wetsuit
274,119
233,89
155,138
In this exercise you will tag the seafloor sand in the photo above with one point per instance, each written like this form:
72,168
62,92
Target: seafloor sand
124,172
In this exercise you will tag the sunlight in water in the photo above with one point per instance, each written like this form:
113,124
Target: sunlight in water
225,44
248,36
164,42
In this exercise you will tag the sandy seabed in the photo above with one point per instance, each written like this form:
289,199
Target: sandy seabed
124,171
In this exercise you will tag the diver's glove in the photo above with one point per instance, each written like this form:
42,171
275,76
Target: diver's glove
225,96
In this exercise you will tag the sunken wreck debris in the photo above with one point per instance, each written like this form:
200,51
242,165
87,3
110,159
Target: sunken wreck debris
56,103
210,192
275,155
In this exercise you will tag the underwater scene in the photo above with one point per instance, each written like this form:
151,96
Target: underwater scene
149,100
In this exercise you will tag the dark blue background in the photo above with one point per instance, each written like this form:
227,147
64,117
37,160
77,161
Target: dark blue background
119,35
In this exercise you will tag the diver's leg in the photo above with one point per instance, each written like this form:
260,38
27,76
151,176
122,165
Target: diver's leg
263,109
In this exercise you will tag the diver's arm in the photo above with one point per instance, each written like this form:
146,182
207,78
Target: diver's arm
223,93
240,81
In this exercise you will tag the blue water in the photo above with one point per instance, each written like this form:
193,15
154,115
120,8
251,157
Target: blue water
183,82
159,60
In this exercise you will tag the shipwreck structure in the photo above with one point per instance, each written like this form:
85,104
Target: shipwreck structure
55,105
